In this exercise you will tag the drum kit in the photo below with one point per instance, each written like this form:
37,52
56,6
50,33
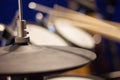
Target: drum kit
46,53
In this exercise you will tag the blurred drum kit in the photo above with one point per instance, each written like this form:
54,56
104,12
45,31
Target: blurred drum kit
46,53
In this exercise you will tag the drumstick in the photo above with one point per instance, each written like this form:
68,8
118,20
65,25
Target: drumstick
63,9
113,23
60,8
87,3
109,32
71,15
84,21
82,18
39,7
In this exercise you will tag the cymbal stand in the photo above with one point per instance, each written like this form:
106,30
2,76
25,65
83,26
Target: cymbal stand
21,26
21,39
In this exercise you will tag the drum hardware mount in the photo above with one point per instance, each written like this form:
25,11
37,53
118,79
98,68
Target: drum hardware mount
21,33
21,38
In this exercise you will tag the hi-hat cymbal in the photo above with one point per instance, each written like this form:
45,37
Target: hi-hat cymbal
33,59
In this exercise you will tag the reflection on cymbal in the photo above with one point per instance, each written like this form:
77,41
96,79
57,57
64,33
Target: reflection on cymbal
33,59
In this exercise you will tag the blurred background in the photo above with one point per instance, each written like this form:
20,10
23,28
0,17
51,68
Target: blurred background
107,49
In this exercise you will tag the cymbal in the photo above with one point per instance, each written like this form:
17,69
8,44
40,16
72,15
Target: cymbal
29,59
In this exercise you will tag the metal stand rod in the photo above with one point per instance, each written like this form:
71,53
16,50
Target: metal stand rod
20,10
21,24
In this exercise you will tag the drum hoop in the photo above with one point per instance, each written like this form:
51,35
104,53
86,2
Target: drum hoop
82,76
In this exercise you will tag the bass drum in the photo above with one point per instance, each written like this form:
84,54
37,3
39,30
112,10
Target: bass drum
41,36
73,77
74,35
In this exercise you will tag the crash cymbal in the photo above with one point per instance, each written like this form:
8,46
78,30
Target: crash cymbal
33,59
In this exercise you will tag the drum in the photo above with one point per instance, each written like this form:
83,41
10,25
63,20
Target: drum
73,77
41,36
74,35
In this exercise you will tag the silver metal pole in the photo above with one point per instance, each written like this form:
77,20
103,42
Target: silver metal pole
21,26
20,10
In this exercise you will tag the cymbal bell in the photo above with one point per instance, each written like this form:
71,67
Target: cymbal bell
27,59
